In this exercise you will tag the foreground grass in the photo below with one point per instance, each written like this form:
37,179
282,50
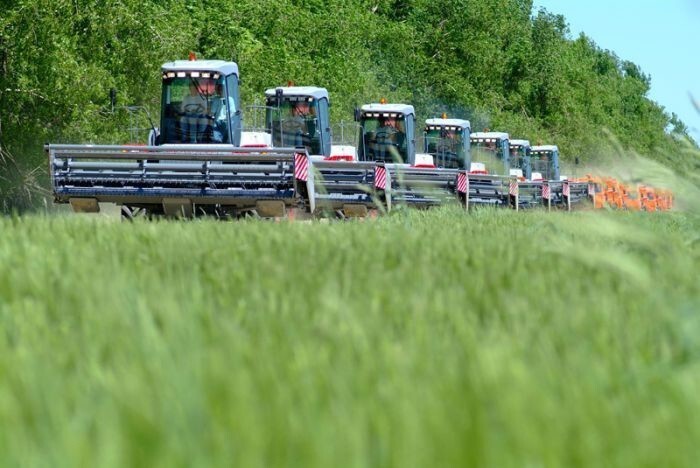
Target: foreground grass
429,339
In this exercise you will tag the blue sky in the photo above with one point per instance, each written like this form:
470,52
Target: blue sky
662,37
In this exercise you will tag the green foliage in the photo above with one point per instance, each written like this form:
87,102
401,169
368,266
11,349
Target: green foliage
421,339
491,61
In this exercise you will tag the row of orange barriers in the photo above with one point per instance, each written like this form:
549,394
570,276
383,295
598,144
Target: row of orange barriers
607,191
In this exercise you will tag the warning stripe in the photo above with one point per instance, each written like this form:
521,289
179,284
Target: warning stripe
566,189
462,183
380,177
546,192
513,188
301,167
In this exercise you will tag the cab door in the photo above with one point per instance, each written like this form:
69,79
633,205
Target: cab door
410,121
235,120
324,126
505,152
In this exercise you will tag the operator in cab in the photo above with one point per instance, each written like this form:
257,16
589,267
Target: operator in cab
298,129
389,139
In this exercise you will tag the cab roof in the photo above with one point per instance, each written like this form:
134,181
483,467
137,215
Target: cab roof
520,143
449,122
304,91
220,66
404,109
552,148
496,135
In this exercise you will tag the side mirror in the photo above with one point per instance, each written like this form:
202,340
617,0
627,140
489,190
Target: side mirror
113,97
358,114
154,137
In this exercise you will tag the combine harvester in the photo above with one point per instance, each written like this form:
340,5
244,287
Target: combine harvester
491,155
530,193
544,160
200,162
543,184
193,165
336,183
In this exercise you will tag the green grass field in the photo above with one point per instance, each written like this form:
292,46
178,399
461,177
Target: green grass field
416,340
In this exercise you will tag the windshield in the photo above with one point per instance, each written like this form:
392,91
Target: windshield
541,161
195,110
293,122
446,147
518,156
488,151
384,138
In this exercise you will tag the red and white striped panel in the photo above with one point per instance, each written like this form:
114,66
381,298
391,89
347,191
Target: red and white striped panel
462,183
380,177
513,188
546,192
565,189
301,167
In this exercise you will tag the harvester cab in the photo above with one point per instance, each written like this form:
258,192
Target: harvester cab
387,133
531,189
200,103
492,149
545,160
299,116
520,157
447,141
